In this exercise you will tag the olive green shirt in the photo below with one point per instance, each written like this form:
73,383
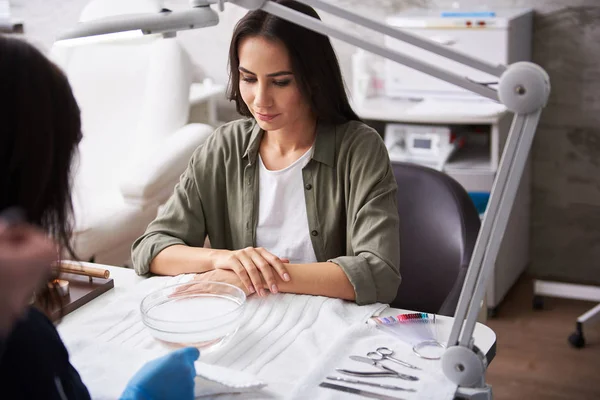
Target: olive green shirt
350,194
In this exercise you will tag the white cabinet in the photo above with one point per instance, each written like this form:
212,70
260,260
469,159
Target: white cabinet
402,80
504,38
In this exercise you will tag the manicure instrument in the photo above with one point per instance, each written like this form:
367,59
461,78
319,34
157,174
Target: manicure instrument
364,393
379,385
384,353
384,371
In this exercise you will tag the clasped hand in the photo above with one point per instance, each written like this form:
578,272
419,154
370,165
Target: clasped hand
254,267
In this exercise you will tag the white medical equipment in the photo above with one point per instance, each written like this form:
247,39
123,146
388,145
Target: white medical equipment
428,145
495,37
523,87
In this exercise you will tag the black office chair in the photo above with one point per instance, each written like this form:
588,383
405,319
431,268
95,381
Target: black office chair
438,229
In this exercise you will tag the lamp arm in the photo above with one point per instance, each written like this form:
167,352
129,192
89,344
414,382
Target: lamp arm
462,362
524,88
490,238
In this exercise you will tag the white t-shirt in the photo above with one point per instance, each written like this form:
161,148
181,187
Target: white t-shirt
282,222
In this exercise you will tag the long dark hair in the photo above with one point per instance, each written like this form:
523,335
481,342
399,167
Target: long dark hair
313,59
41,127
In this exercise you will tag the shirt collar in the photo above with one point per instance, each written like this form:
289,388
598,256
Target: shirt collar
325,144
324,151
254,143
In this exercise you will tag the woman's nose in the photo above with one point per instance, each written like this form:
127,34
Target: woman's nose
262,97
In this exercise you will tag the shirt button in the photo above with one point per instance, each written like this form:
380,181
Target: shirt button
308,186
314,233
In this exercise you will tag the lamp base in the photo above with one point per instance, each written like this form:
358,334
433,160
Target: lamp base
466,367
484,393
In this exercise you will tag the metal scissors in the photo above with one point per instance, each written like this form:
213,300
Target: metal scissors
383,370
383,353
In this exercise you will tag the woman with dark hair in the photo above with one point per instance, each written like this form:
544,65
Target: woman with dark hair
40,132
299,197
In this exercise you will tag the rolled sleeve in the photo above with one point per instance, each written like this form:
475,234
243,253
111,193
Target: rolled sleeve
372,258
147,247
180,221
375,277
359,274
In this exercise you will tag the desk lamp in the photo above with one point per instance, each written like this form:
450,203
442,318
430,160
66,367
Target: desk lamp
523,87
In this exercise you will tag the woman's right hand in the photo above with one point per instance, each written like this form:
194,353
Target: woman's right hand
254,266
26,256
168,377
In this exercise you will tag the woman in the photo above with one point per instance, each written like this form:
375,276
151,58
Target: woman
40,131
299,197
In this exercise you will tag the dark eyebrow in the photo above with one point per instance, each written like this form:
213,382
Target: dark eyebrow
274,74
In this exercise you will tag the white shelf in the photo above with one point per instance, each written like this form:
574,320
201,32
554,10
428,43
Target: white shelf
473,181
471,167
470,158
200,92
203,102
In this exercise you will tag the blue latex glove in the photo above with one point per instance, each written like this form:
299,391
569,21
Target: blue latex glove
169,377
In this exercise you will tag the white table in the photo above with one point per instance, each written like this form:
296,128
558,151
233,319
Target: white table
126,279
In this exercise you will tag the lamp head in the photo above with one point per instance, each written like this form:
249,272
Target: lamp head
524,87
165,22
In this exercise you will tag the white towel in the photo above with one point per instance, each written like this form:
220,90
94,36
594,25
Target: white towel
109,347
281,337
359,340
106,369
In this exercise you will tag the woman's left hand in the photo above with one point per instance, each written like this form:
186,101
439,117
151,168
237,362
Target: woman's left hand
222,275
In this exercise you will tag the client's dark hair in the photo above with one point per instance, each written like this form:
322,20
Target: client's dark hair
313,59
41,128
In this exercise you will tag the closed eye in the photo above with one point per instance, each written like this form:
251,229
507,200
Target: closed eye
282,83
279,83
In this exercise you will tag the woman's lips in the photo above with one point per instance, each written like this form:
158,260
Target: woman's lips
266,117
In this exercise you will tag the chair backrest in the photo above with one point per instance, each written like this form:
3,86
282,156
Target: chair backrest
439,225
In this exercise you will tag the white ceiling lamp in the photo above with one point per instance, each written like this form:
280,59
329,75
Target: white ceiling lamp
165,22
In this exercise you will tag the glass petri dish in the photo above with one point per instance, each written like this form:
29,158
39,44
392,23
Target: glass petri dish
200,314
